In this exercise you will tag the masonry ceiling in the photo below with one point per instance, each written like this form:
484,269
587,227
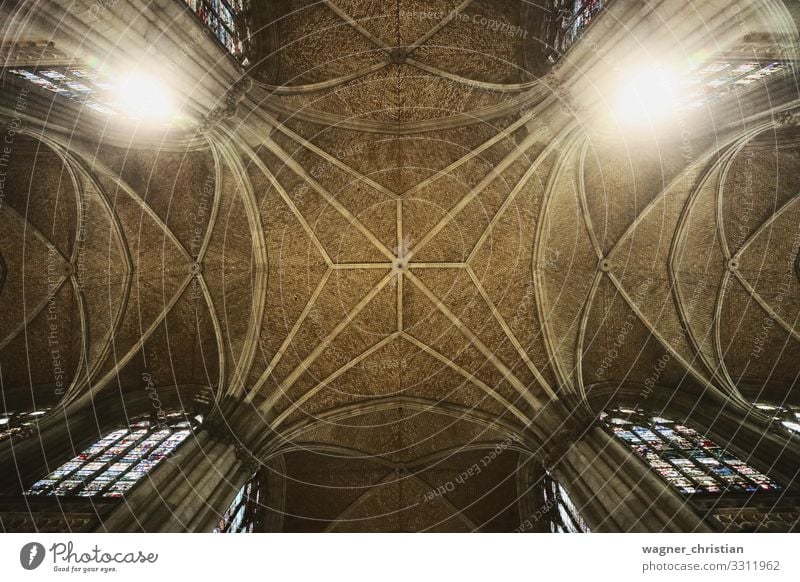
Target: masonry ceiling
395,258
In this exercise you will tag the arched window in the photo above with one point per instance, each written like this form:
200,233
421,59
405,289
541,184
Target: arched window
14,424
118,461
789,416
83,85
242,513
564,516
688,460
223,18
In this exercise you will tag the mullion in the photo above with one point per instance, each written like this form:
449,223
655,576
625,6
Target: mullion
793,416
89,478
249,509
684,454
555,515
721,73
254,505
578,14
234,14
91,459
668,461
563,516
108,464
568,511
145,458
783,413
698,446
248,514
722,461
734,76
742,74
233,509
219,18
234,513
16,421
243,508
135,463
761,64
572,511
671,463
733,468
551,500
67,77
83,475
736,470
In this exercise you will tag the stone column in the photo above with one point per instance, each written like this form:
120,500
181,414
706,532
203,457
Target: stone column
190,490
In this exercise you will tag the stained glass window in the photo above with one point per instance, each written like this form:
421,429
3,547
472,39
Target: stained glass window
3,271
564,516
687,459
583,13
574,16
82,85
240,517
710,82
789,416
222,18
118,461
18,423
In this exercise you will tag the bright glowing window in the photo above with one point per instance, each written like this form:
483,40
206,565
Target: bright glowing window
220,16
78,84
240,517
789,416
688,460
564,516
134,95
575,20
18,423
713,81
118,461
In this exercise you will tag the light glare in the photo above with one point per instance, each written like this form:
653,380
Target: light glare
649,95
143,97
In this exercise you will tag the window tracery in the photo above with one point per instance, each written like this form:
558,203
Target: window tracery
223,18
564,515
573,18
685,458
88,87
112,465
241,514
710,82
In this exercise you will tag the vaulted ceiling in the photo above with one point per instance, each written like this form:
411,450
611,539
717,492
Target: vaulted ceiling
398,254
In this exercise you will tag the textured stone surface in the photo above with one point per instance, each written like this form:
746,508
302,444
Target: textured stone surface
385,297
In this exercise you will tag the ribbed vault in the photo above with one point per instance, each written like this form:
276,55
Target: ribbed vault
398,253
